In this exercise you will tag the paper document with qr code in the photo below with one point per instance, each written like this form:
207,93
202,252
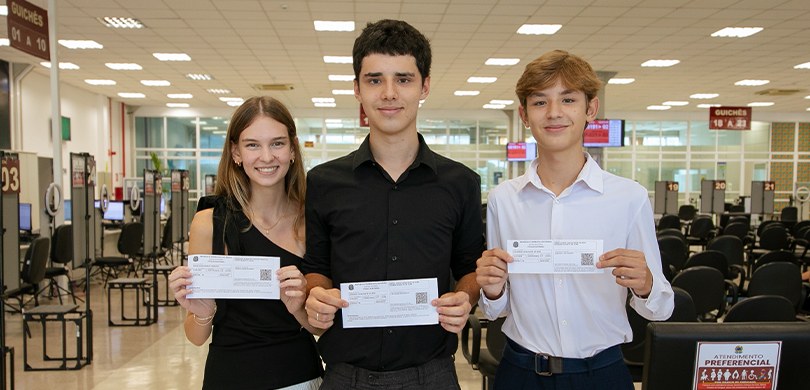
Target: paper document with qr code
554,256
234,277
390,303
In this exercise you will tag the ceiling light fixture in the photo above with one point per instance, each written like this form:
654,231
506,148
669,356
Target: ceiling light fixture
156,83
4,10
172,56
502,61
491,106
131,95
341,77
325,25
323,100
736,32
114,22
482,80
180,96
177,105
658,108
805,65
342,92
235,103
760,104
218,91
504,102
539,29
659,63
675,103
5,42
80,44
199,76
621,81
62,65
706,105
123,66
704,95
466,93
337,59
752,83
325,105
231,99
100,82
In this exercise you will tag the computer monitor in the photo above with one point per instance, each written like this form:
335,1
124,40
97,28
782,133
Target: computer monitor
672,352
115,211
68,210
25,217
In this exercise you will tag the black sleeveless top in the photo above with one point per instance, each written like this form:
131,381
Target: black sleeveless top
256,343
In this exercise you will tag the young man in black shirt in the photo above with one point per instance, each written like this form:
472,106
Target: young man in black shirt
391,210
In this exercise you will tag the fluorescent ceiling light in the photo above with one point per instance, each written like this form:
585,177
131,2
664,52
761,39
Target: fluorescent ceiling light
805,65
235,103
156,83
658,108
706,105
337,59
659,63
123,66
131,95
807,97
808,109
325,25
504,102
482,80
62,65
199,76
324,104
341,77
675,103
99,82
760,104
172,56
704,95
466,93
209,128
4,42
621,81
231,99
177,105
114,22
180,96
333,120
502,61
80,44
219,132
3,10
491,106
752,83
342,92
736,32
539,29
198,122
219,91
323,100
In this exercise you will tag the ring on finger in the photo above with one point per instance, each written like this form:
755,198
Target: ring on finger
622,277
317,316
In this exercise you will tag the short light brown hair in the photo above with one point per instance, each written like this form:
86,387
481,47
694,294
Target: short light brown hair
573,71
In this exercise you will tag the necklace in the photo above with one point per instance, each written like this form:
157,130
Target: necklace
266,230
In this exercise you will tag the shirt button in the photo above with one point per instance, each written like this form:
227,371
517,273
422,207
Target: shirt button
394,258
564,323
396,187
390,331
395,222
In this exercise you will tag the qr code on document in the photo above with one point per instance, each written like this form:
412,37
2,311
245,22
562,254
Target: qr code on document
587,258
265,274
421,298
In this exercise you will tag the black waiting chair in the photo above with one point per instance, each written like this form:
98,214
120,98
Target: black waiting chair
789,216
709,291
774,257
772,238
762,308
674,252
33,272
687,212
779,278
486,361
701,231
129,243
740,230
734,251
669,221
61,255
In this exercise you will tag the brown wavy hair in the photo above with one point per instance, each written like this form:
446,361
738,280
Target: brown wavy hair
232,181
573,71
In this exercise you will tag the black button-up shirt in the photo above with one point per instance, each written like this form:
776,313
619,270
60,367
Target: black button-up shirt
362,226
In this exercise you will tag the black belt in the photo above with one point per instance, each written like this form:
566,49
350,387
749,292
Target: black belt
546,365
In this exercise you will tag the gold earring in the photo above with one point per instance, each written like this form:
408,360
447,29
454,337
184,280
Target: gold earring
292,161
238,163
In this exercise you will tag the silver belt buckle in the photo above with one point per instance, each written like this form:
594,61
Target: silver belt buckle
554,364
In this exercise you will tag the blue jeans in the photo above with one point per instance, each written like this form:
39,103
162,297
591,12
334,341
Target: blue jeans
439,374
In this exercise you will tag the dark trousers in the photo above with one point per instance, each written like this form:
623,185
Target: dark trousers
439,374
515,373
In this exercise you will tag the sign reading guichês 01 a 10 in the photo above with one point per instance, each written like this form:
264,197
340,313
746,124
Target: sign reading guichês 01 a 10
28,28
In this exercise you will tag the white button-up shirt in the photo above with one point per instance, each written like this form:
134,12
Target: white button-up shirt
574,315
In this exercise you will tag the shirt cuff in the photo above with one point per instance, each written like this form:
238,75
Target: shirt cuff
493,308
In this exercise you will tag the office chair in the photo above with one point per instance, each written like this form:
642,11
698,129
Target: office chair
130,242
674,252
669,221
762,308
709,291
33,272
61,255
779,278
486,360
734,251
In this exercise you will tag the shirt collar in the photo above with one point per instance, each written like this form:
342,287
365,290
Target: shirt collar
423,156
591,174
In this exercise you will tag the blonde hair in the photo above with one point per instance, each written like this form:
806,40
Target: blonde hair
232,181
573,71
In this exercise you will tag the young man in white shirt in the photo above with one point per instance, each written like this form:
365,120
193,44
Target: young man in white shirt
564,330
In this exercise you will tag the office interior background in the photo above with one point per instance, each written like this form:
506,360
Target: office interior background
122,101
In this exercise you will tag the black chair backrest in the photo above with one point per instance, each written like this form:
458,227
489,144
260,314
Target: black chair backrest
495,338
131,239
774,238
705,285
799,225
675,250
672,232
62,245
736,229
737,208
789,214
709,258
669,221
767,225
701,227
731,246
36,260
762,308
779,278
780,256
684,307
687,212
166,238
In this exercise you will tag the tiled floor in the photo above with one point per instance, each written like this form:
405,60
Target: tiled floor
150,357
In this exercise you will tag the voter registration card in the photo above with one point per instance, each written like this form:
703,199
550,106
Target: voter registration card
554,256
234,277
390,303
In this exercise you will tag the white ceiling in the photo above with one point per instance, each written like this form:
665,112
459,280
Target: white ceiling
246,42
